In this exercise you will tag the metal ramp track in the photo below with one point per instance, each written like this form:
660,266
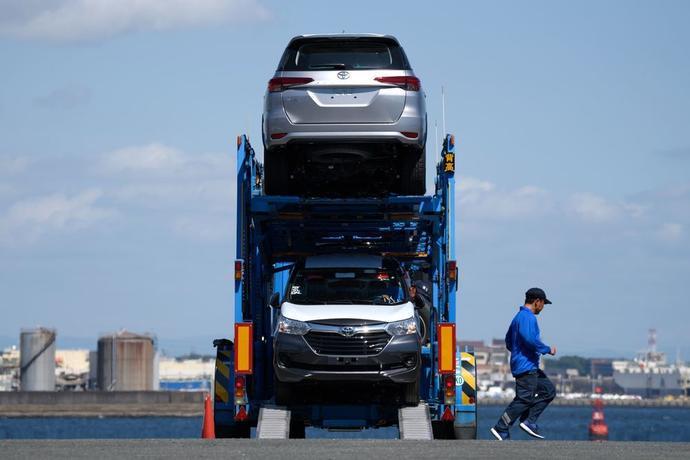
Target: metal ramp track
274,423
415,423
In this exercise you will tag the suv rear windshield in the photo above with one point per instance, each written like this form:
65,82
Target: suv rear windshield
375,286
353,54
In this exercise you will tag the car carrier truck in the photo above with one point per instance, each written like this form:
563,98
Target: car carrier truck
374,239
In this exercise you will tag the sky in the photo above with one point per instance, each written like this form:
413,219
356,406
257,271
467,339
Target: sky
117,156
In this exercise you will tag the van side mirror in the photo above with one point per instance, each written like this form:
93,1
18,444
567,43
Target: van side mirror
274,301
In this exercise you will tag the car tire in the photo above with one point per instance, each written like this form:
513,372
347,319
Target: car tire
276,171
425,318
297,429
283,393
235,430
414,173
411,393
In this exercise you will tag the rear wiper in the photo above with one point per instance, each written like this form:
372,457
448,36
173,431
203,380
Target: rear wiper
328,66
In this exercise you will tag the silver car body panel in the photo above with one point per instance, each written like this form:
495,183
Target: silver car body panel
348,105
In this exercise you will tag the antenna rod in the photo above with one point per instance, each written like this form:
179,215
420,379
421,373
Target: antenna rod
437,146
443,110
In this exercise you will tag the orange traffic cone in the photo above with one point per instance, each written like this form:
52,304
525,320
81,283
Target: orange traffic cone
208,430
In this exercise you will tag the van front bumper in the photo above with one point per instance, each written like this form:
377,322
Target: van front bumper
294,360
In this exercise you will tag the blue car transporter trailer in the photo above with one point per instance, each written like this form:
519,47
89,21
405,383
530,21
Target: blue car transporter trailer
273,232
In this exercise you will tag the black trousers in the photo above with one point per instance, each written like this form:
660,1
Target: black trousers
533,392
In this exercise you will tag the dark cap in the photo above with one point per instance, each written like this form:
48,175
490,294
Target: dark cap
537,293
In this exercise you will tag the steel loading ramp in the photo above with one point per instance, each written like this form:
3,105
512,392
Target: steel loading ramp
415,422
274,423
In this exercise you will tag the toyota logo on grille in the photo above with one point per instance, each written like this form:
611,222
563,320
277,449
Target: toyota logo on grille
347,331
343,75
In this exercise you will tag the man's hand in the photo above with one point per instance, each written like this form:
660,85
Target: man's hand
553,351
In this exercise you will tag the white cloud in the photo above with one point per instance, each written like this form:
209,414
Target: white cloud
670,232
27,220
149,158
158,160
75,20
482,199
205,227
193,194
594,209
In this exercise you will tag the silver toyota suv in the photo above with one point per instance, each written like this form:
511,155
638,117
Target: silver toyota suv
344,108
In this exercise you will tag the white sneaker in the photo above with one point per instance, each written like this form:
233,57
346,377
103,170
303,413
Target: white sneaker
500,435
531,429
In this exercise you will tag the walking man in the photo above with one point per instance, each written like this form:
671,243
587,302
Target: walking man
533,390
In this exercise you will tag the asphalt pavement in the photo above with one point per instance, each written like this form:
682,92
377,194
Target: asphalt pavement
336,449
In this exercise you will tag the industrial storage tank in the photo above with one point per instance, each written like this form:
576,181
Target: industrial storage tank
37,359
126,362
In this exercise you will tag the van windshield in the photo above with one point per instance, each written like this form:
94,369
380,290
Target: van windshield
375,286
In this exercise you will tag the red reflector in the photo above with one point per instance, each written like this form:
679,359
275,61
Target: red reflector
472,400
241,415
283,83
406,83
238,270
409,134
448,415
278,135
452,270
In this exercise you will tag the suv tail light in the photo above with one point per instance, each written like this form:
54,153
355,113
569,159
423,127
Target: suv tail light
278,84
406,83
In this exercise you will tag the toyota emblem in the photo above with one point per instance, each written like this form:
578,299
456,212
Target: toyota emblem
347,331
343,75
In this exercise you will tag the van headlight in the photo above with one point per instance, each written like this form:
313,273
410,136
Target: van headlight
404,327
291,326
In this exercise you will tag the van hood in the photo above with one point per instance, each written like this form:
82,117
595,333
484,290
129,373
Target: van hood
382,313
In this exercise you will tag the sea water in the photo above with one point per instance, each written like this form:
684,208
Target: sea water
557,423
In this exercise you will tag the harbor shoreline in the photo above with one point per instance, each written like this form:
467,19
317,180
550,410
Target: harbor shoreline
190,404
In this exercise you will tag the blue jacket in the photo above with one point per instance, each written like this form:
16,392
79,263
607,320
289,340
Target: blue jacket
523,342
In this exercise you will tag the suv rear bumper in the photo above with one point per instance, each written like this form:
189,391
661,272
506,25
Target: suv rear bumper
295,361
412,120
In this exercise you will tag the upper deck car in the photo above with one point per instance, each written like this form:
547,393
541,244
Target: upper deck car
348,109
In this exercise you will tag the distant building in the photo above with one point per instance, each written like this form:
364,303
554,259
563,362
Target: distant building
9,369
72,369
601,367
186,374
493,363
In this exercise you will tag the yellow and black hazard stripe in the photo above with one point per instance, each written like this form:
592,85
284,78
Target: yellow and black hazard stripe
222,379
469,378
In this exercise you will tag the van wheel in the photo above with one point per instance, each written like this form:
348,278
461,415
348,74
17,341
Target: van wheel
425,318
236,430
276,172
297,429
414,173
283,392
411,393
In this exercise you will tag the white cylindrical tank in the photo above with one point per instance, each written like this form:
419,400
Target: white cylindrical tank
37,359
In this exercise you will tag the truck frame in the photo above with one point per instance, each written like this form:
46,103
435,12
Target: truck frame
275,231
